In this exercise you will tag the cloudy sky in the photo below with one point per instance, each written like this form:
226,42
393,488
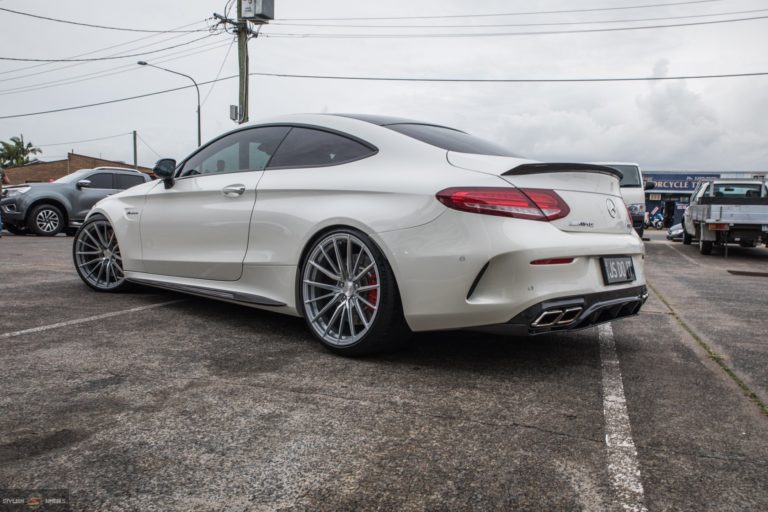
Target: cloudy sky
710,124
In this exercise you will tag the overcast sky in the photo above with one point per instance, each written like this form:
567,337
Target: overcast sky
712,124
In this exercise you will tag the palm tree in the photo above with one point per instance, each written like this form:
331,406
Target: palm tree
16,152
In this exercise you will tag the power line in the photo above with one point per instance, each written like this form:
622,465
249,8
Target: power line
107,58
519,13
91,53
559,23
124,68
91,25
81,141
224,61
496,34
150,147
403,79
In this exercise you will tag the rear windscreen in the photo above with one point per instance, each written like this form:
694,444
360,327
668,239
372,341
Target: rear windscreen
450,139
631,175
736,190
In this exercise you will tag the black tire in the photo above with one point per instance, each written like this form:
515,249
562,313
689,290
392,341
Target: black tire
97,258
46,220
687,239
705,246
385,328
16,230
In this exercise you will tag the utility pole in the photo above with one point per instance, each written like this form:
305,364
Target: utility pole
242,60
258,12
135,152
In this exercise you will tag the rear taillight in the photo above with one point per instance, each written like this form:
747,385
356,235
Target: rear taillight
520,203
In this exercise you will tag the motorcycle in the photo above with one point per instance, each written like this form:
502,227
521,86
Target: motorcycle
657,221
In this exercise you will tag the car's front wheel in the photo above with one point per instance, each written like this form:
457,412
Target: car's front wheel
348,295
97,257
46,220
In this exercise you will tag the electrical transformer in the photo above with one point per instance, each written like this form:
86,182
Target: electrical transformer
258,11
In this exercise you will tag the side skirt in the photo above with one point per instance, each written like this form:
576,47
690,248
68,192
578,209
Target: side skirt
213,293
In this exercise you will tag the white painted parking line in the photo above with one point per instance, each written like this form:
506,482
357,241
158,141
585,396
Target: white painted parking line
623,468
87,319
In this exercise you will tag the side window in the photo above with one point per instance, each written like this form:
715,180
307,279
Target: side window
305,147
245,150
101,180
125,181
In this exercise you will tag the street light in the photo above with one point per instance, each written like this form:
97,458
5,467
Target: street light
143,63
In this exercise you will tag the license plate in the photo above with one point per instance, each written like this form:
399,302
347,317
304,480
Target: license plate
617,269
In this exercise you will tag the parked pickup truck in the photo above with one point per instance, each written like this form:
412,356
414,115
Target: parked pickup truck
724,211
47,209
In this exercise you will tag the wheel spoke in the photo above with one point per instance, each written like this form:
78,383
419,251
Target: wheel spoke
331,263
88,262
338,258
349,321
87,252
361,315
339,333
324,271
357,262
322,285
349,255
333,319
369,287
88,232
325,308
310,301
364,271
366,302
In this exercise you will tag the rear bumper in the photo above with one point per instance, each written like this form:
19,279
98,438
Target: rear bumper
578,312
465,270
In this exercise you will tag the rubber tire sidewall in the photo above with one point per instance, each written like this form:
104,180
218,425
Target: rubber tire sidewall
32,224
124,286
389,329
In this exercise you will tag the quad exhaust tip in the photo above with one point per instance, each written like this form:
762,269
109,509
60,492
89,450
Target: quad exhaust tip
557,317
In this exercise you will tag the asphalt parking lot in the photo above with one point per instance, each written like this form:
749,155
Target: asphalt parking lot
156,401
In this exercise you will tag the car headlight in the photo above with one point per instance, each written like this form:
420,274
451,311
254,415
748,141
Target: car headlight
10,192
637,208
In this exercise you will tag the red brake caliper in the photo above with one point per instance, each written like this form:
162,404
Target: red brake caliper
373,295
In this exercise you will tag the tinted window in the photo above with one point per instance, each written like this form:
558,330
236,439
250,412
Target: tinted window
305,147
737,190
127,181
101,180
631,175
450,139
245,150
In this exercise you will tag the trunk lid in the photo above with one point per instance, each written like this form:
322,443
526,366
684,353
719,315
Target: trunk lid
591,191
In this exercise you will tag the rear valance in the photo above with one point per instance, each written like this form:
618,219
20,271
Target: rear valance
546,168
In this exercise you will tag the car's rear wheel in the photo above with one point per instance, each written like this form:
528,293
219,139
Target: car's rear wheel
16,230
349,296
97,256
705,246
46,220
687,239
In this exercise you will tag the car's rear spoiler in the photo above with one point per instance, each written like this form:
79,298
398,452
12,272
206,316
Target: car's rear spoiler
544,168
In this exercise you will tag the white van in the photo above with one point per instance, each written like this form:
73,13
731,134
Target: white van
632,191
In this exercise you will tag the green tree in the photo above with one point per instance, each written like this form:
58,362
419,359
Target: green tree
16,152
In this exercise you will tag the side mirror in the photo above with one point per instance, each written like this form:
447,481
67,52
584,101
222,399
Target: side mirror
83,184
164,169
649,185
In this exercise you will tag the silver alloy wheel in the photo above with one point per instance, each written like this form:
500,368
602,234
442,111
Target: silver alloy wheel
47,220
340,289
97,255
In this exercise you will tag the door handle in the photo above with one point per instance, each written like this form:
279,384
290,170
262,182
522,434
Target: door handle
233,190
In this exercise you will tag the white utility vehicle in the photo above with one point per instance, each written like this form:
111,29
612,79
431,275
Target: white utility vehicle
724,211
632,191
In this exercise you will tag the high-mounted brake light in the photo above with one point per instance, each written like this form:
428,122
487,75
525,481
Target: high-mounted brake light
520,203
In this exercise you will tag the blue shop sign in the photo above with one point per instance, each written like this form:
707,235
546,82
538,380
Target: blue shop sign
675,183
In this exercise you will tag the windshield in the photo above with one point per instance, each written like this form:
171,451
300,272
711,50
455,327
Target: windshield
74,177
740,190
631,175
450,139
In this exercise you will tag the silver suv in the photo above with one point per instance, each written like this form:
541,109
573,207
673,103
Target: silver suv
49,208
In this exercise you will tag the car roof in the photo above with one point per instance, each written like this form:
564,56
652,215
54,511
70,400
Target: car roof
388,120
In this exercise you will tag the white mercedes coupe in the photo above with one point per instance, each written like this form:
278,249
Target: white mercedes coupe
371,227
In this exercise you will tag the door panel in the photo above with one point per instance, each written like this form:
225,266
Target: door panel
196,228
102,185
200,226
